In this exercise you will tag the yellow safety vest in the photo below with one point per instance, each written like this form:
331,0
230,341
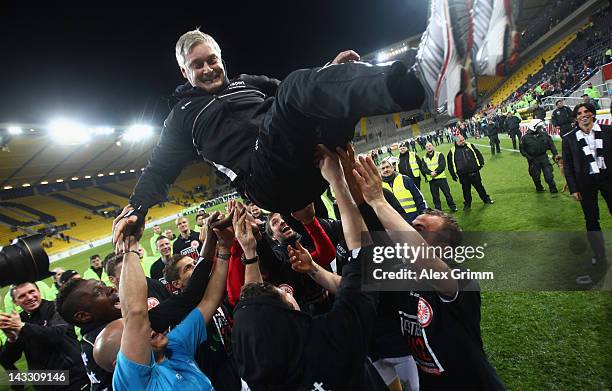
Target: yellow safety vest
414,166
453,156
432,164
403,195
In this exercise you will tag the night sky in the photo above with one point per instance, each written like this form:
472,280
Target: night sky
109,63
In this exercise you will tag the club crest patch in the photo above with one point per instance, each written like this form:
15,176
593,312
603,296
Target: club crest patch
424,312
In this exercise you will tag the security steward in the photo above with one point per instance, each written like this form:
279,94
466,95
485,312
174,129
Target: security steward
410,165
492,131
534,145
434,166
404,189
465,162
512,127
562,118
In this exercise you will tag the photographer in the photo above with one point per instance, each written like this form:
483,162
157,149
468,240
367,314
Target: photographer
46,339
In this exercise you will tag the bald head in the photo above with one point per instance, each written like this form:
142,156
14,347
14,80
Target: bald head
107,345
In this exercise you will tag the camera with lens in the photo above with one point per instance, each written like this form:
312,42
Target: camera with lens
24,260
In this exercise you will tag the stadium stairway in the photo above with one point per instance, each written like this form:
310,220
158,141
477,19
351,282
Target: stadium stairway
114,191
43,217
532,67
75,202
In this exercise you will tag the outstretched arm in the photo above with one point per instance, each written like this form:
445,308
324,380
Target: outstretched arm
136,338
302,262
371,185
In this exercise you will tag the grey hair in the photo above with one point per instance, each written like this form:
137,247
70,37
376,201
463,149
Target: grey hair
190,39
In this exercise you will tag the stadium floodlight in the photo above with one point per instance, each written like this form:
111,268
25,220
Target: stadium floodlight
142,169
132,170
44,183
100,175
59,180
138,132
87,176
75,178
65,131
8,187
15,130
382,57
122,172
103,130
111,173
26,185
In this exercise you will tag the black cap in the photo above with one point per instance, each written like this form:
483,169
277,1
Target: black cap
67,275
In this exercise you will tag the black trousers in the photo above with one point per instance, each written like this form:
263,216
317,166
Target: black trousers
417,182
514,135
435,185
590,207
469,180
538,165
319,106
494,141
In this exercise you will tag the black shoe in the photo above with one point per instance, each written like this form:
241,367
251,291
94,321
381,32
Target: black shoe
489,201
454,209
554,190
541,190
467,207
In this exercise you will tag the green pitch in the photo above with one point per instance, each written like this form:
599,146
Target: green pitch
537,340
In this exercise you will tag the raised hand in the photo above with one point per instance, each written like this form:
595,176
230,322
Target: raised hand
329,164
300,259
306,215
244,233
124,225
368,179
225,234
346,56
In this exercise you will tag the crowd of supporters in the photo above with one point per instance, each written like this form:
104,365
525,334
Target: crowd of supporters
261,301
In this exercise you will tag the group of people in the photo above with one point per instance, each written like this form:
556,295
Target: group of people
274,302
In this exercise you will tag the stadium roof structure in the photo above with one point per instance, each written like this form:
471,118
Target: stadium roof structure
37,156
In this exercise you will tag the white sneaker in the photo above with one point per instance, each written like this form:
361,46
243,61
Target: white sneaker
495,36
443,63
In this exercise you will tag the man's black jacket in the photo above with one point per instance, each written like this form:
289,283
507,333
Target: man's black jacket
48,342
512,125
534,144
575,164
539,113
562,116
221,127
466,161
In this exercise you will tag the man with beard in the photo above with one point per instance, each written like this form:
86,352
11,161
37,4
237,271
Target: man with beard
311,297
188,243
434,169
404,189
164,247
96,270
587,157
49,343
465,162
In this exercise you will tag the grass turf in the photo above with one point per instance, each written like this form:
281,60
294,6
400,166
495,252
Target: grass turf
535,339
